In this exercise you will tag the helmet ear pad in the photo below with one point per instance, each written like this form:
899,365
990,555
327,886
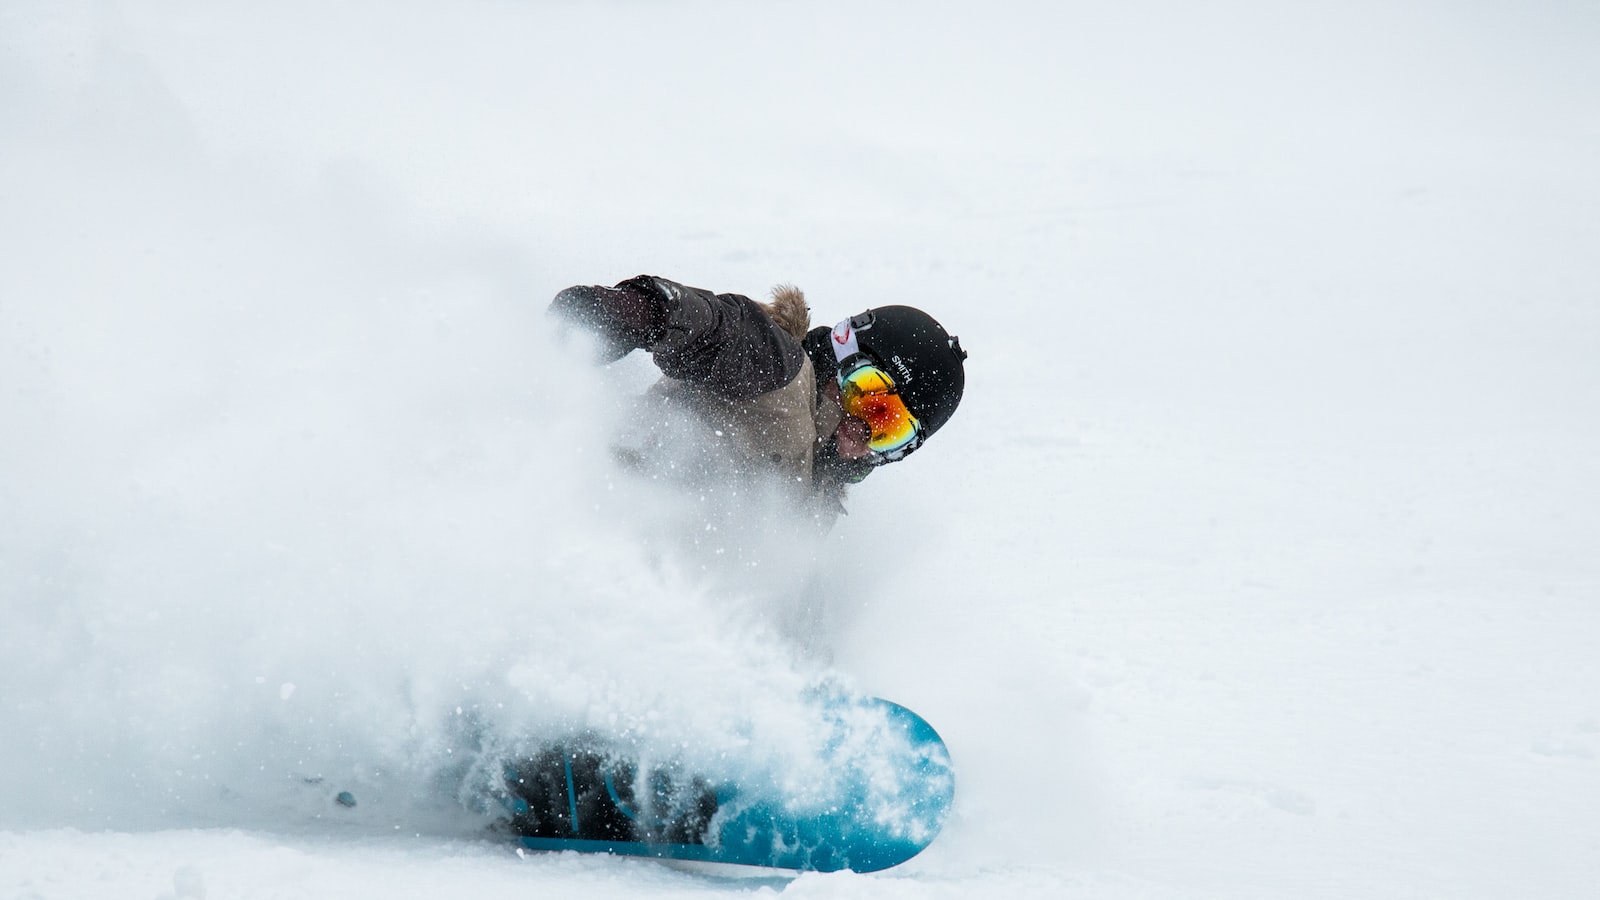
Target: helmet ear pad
925,360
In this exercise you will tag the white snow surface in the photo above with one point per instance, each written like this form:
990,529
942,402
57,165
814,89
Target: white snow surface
1261,559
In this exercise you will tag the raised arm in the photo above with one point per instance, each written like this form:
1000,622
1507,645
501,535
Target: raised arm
725,343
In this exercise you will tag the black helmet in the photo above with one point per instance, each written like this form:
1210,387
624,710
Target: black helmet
909,344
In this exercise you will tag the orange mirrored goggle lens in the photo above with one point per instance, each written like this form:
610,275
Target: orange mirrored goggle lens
868,393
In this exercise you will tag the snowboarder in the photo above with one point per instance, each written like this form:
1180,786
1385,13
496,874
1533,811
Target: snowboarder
821,407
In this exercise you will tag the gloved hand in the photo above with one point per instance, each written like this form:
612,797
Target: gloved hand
627,317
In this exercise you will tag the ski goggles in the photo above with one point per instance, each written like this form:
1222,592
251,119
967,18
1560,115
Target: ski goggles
867,392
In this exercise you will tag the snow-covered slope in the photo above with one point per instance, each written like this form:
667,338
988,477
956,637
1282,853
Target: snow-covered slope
1259,561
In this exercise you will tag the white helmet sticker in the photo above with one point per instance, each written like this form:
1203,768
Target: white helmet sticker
844,341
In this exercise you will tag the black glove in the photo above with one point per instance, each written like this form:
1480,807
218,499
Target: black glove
624,318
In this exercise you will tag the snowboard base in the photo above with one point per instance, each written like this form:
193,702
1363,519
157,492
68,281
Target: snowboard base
891,789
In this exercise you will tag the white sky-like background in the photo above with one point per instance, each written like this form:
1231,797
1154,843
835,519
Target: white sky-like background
1259,561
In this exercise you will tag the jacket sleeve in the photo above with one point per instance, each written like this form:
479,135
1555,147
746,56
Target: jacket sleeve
725,343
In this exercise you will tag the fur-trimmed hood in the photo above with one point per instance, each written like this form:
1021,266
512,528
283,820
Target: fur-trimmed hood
789,310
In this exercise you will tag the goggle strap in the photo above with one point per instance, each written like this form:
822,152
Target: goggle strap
844,341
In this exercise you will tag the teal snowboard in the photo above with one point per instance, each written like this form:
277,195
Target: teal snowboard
885,792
